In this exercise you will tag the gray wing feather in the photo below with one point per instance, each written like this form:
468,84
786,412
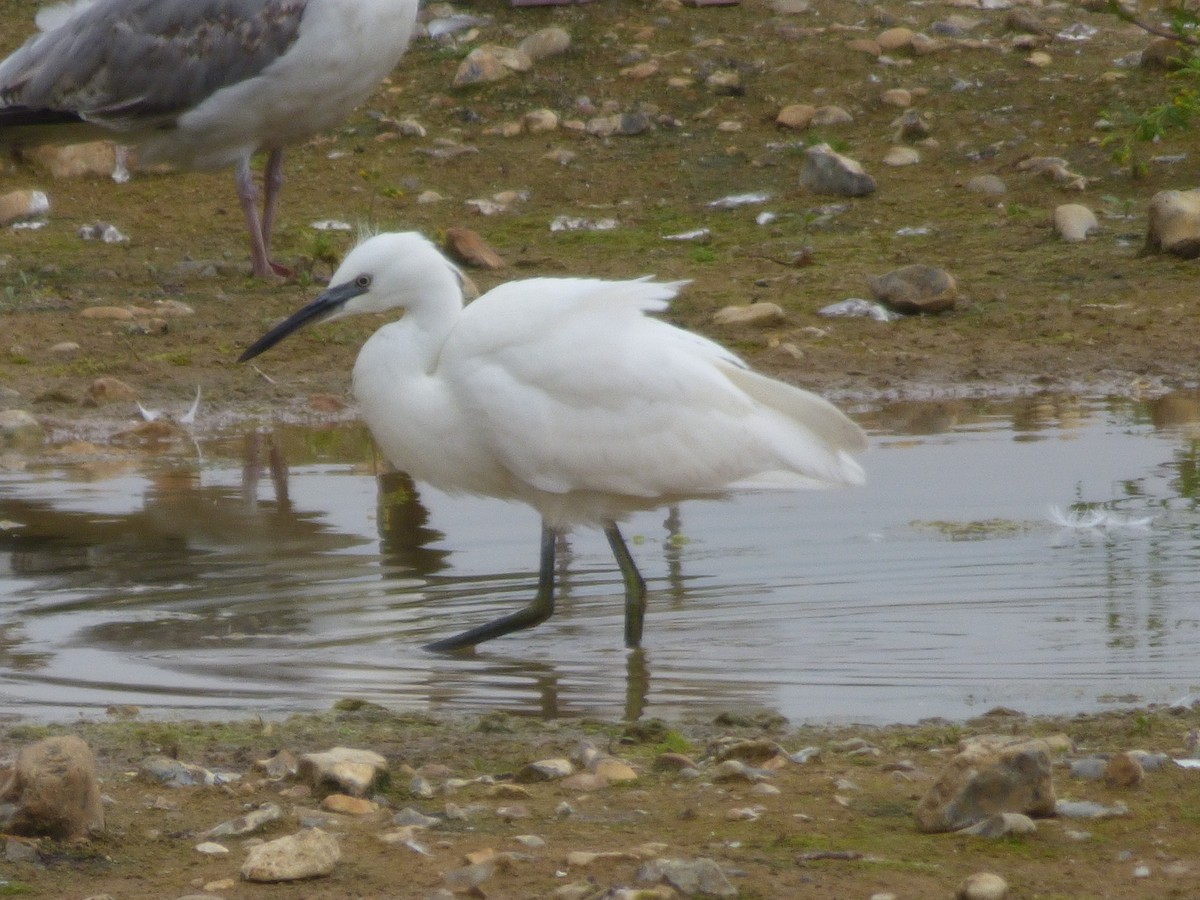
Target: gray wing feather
130,62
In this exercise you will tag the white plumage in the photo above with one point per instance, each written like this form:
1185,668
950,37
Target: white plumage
565,394
202,83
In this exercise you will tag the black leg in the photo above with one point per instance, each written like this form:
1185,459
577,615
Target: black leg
538,611
635,586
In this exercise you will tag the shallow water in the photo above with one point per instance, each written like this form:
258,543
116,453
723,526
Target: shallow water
271,572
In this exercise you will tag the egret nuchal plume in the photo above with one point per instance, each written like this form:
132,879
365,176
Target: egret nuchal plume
563,393
202,84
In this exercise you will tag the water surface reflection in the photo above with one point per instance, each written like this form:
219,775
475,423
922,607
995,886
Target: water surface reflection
284,572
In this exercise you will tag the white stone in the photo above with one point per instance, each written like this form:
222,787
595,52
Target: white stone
306,854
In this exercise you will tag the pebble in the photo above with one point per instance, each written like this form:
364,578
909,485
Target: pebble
991,185
1001,825
211,848
545,42
805,755
916,289
983,886
249,823
310,853
546,770
1123,771
674,762
689,876
1089,809
174,773
828,172
1090,769
19,429
895,39
351,770
796,116
613,770
410,816
736,770
1074,222
23,205
901,156
52,788
1174,223
75,160
350,806
826,116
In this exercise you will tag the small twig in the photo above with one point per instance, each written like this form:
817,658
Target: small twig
1126,16
267,378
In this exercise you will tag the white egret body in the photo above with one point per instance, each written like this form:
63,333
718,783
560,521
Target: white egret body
202,83
563,393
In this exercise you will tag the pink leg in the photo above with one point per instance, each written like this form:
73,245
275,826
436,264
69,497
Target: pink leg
247,190
272,182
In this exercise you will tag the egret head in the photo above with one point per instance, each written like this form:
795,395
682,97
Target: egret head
384,271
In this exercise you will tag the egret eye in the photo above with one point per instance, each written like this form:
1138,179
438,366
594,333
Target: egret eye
363,281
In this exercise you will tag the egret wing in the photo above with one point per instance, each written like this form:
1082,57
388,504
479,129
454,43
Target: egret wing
577,389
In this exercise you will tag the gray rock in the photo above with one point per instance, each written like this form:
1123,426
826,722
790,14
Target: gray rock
53,790
1088,809
490,63
174,773
410,816
546,770
992,185
692,877
736,770
825,116
307,854
1000,825
551,41
1150,762
10,399
20,430
828,172
911,125
805,755
248,823
1089,769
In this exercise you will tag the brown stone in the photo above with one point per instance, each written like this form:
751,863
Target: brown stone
110,390
978,783
796,115
74,160
1123,771
54,789
466,246
24,204
916,289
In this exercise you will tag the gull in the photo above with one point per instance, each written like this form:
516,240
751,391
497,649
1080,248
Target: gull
564,394
202,84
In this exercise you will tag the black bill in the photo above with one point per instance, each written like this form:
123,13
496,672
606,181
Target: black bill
324,306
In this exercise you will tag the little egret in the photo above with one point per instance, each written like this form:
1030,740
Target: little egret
202,84
563,393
